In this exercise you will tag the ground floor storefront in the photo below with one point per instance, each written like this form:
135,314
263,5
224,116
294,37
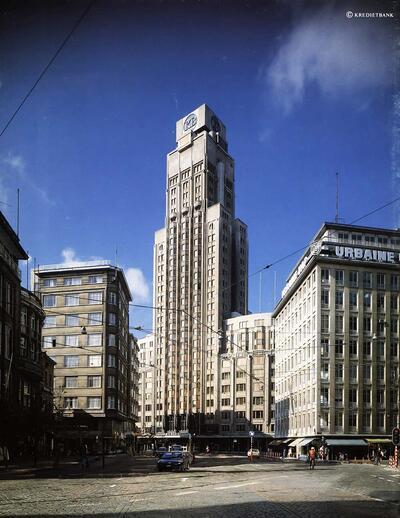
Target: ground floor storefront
334,447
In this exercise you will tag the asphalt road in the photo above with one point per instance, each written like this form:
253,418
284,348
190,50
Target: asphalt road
222,486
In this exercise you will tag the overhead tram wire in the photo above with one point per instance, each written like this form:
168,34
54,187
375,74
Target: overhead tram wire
46,68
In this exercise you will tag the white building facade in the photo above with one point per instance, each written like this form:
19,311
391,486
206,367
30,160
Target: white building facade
337,337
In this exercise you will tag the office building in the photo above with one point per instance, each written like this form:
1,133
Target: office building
200,274
86,333
337,338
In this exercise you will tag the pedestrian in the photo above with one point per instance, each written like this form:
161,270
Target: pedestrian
207,450
311,456
84,461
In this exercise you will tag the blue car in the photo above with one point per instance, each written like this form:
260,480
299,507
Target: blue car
174,460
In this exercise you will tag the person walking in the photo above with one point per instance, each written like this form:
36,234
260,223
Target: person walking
311,456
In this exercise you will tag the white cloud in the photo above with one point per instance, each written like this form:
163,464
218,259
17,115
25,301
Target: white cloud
69,256
15,165
337,54
137,284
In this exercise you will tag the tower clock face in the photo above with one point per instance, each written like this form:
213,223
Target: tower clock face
190,122
215,125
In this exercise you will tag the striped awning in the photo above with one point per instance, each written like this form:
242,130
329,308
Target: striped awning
296,441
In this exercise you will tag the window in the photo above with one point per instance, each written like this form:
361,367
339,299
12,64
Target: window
380,280
339,347
367,279
258,400
70,403
111,360
324,395
94,339
324,323
325,297
49,341
240,400
94,360
380,301
95,319
93,402
339,323
394,282
95,279
50,321
111,402
112,298
72,320
393,349
72,281
258,414
225,401
394,302
71,340
367,396
380,371
112,319
111,381
353,279
240,428
353,372
325,347
353,302
240,387
339,396
367,348
95,297
338,419
94,381
367,373
49,301
111,340
353,347
71,361
49,283
353,323
352,419
339,371
324,276
367,324
339,277
339,298
367,300
71,381
72,300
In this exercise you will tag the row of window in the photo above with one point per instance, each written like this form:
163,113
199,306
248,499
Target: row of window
73,281
353,396
92,339
353,300
91,360
92,403
91,381
382,325
381,279
366,370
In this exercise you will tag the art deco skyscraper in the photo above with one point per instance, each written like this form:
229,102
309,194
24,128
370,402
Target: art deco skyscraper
200,273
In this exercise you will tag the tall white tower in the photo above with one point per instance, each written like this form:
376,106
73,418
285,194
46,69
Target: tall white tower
200,273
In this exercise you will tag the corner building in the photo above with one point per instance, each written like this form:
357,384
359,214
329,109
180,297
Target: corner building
86,332
200,273
337,339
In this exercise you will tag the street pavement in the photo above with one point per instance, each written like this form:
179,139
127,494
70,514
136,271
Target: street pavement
216,486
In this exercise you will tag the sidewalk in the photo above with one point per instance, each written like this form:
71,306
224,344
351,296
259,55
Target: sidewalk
69,467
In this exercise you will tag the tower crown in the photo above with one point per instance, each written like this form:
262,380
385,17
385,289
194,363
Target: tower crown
200,119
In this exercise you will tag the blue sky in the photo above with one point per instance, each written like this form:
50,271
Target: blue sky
304,93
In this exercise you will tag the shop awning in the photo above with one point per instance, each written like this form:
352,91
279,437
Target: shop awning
304,442
296,441
276,442
377,441
346,442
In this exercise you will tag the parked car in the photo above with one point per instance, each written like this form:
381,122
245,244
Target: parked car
254,452
159,452
174,460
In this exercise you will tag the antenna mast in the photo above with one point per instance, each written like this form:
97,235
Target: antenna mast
337,198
